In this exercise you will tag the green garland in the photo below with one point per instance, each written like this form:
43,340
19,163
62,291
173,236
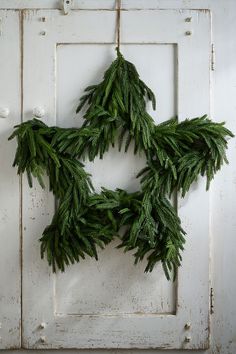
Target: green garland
176,153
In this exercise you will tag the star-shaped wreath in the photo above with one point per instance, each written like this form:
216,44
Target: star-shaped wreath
115,113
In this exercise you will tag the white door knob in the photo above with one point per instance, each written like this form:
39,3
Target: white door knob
38,112
4,112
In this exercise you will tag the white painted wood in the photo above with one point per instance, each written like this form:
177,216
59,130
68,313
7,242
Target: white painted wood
110,4
43,292
10,310
223,190
4,112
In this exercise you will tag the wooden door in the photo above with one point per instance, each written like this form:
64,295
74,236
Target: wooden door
10,210
111,303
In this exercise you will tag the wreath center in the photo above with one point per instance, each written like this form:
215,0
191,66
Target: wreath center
116,169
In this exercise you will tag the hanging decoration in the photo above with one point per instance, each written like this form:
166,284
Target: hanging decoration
115,113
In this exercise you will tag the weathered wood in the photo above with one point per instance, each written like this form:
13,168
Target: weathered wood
10,214
55,300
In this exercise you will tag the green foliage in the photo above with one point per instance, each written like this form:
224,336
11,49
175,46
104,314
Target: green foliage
145,221
152,227
154,231
183,151
116,107
75,232
36,156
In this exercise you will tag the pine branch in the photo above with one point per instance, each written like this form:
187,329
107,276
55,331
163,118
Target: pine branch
118,105
74,233
154,231
181,152
36,156
205,154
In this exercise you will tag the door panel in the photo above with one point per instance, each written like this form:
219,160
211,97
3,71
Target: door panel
119,282
111,303
10,99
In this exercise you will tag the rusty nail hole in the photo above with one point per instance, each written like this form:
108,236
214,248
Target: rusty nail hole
43,339
187,325
42,325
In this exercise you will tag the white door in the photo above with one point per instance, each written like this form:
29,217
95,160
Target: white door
111,303
10,213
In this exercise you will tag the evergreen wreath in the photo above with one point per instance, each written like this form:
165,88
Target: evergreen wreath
115,113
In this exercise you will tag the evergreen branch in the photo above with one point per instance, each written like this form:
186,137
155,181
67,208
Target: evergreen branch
36,156
205,154
74,233
117,103
153,230
183,151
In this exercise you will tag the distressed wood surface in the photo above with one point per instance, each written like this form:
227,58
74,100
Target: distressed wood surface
223,189
108,4
122,287
43,292
10,276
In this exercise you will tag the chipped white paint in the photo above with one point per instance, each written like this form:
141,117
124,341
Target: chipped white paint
4,112
42,325
104,304
10,307
66,6
188,33
187,326
188,19
223,201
